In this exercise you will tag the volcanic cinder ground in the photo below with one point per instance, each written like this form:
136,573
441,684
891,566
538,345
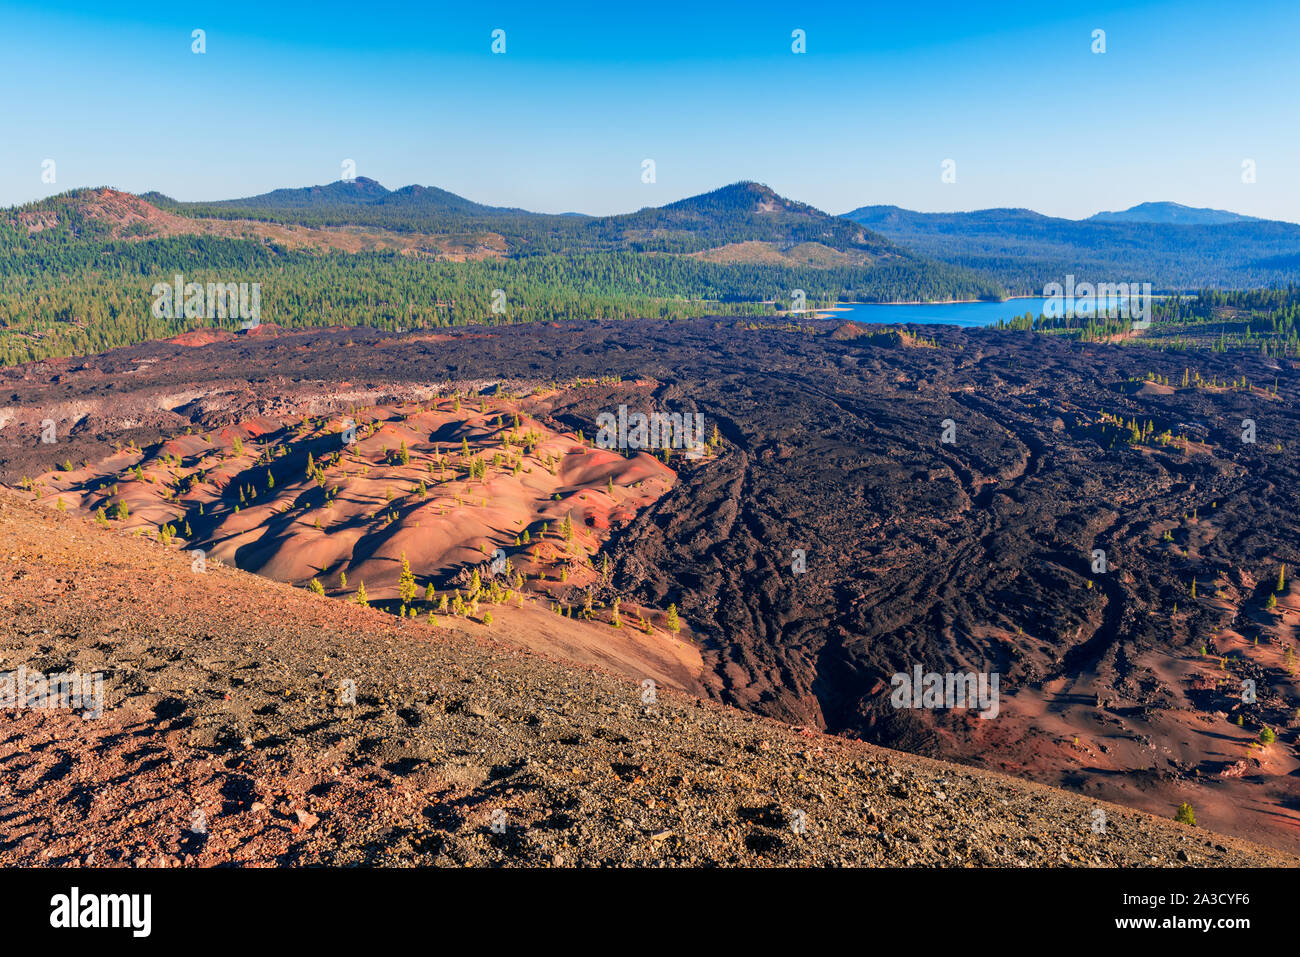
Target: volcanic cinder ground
1124,682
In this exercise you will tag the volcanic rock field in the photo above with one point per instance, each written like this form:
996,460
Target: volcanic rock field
830,539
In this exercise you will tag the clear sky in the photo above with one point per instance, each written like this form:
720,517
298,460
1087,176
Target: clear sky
713,93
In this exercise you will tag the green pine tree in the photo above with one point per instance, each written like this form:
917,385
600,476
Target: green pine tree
406,582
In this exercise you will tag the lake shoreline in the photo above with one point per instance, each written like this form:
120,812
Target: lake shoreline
848,306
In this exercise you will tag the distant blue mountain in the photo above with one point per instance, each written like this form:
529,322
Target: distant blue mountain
1173,247
1171,213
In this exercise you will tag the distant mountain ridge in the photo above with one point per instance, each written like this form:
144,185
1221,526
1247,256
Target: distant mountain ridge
740,197
749,225
736,214
744,223
360,192
1165,212
1171,246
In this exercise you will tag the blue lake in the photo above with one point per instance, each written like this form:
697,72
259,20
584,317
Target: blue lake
945,314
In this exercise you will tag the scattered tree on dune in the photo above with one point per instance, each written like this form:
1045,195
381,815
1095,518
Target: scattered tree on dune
406,582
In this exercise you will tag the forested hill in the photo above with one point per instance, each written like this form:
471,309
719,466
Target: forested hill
1172,247
364,202
76,269
741,212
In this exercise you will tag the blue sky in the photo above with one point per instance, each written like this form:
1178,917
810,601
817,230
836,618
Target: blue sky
1012,93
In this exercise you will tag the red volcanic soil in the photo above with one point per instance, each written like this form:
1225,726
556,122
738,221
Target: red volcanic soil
202,337
439,489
